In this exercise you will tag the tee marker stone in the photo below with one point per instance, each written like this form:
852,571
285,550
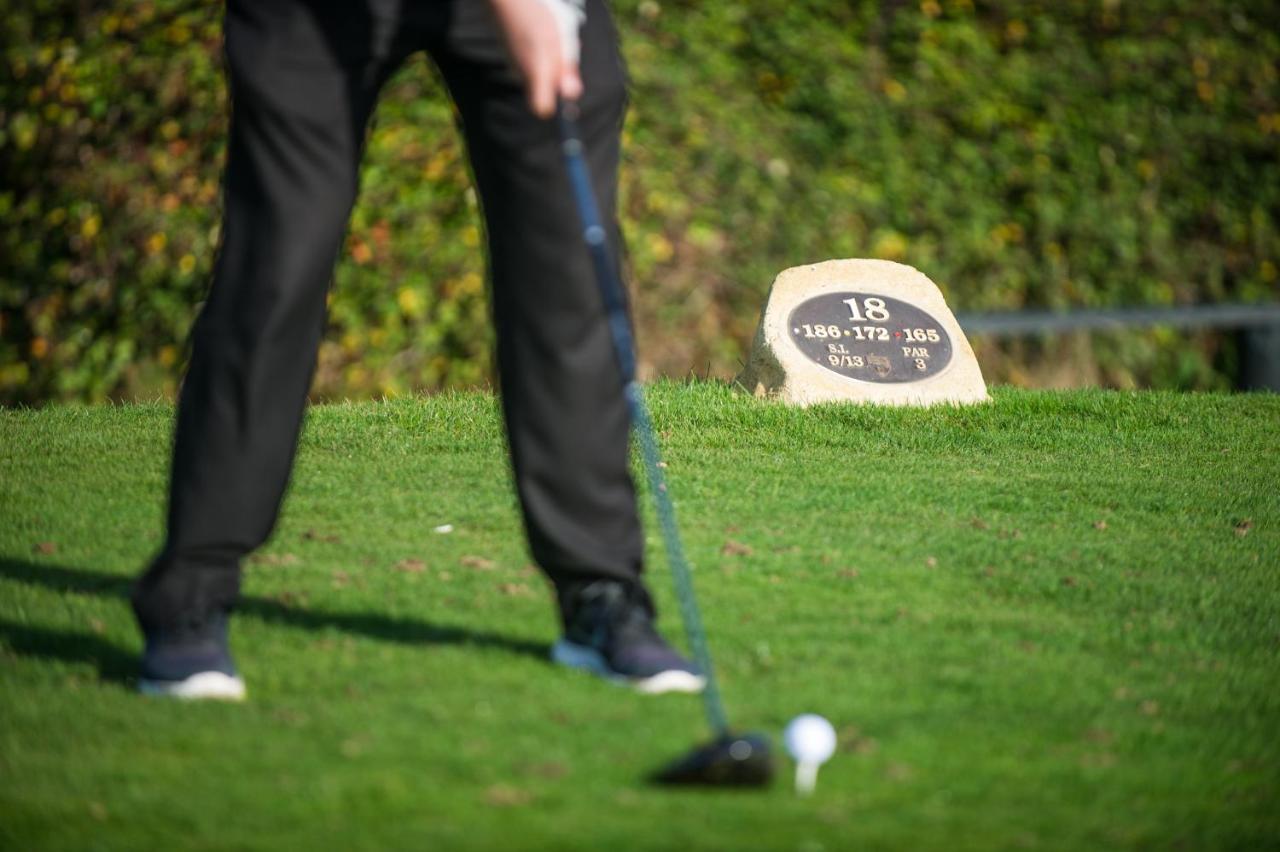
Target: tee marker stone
860,331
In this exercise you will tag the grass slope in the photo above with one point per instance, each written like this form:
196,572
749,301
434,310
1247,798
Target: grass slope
1049,622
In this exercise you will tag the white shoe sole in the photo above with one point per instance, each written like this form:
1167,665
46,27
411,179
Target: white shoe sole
203,686
577,656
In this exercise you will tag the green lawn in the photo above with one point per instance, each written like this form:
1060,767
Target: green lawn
1048,622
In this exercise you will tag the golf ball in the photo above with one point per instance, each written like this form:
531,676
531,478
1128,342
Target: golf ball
810,739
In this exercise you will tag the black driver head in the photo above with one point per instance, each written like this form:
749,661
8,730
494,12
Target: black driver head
733,760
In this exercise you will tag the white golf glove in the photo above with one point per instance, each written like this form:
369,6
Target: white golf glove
570,15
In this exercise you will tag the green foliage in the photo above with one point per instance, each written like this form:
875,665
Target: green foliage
1048,154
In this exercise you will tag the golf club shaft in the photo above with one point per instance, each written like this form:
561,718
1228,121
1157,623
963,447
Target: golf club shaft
596,238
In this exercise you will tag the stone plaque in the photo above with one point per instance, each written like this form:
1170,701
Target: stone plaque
861,330
905,345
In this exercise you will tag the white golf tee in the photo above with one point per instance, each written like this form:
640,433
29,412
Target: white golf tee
806,777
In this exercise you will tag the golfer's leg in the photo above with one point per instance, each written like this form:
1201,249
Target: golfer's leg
565,414
298,121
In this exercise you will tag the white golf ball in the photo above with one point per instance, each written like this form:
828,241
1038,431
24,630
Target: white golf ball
810,739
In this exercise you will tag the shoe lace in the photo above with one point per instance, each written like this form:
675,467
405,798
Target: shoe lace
613,611
198,627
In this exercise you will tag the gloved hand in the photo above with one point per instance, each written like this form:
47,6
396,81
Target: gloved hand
542,36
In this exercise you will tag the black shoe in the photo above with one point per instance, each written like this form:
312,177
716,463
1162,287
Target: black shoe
609,632
190,661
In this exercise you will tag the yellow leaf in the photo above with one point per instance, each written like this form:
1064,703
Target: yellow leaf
891,246
661,248
410,301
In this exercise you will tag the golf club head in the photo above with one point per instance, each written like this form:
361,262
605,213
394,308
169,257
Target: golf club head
732,760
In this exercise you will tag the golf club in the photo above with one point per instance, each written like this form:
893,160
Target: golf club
730,759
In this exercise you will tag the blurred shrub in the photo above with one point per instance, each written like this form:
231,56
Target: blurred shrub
1047,154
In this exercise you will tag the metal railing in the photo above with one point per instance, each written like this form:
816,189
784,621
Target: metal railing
1257,328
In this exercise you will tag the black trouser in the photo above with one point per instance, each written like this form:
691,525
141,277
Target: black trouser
304,77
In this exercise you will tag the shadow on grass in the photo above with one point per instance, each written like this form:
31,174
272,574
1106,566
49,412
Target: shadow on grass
82,648
114,664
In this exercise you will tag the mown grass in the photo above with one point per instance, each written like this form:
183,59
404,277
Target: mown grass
1048,622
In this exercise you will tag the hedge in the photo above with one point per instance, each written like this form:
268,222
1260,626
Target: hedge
1023,154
